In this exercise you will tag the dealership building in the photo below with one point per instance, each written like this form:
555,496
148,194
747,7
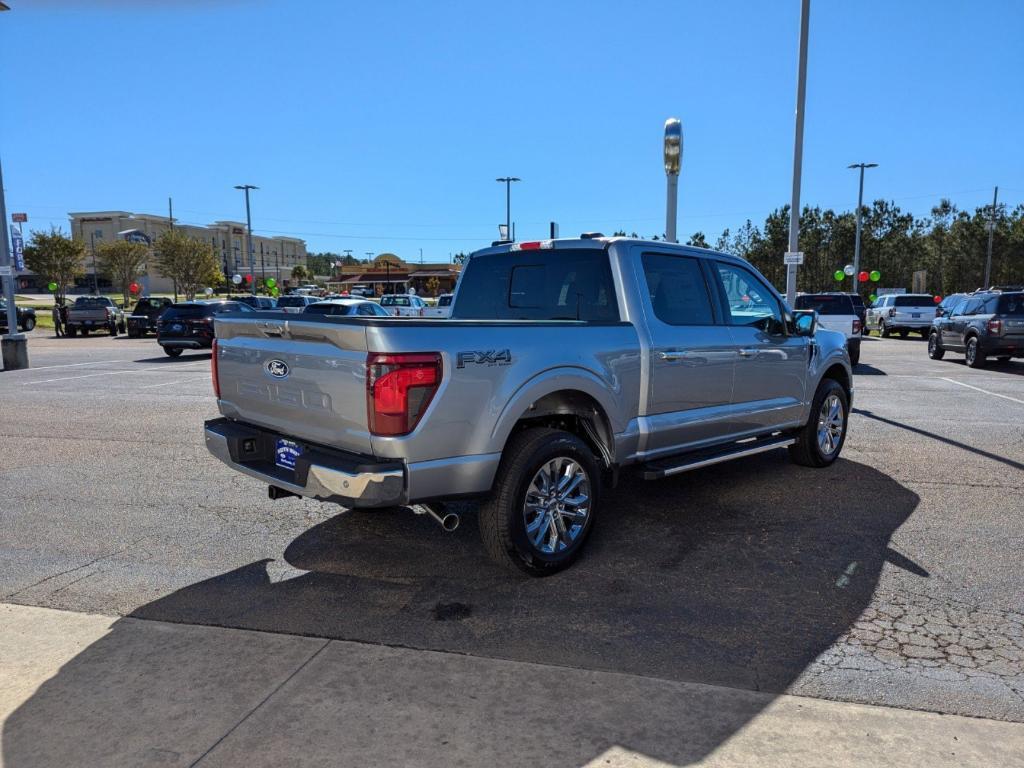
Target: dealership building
273,256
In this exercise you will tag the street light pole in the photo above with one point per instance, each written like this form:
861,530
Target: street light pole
248,227
860,205
14,345
507,180
798,152
95,278
673,153
991,232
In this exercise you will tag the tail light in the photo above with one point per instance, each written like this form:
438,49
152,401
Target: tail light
214,372
892,312
856,326
994,326
398,390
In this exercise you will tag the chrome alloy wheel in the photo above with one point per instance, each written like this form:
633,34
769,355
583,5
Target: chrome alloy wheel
557,505
831,421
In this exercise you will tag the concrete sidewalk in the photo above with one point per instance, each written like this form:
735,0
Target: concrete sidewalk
86,690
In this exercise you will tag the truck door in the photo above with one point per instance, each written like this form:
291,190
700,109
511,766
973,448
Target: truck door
771,368
692,355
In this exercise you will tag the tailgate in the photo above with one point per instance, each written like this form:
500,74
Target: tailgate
304,379
921,314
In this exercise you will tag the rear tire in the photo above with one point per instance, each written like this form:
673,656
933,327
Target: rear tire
821,440
854,349
522,525
885,331
973,354
172,351
935,350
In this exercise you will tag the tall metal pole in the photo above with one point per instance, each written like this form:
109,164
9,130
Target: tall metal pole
508,204
673,156
95,279
170,214
8,261
248,237
991,232
798,151
856,237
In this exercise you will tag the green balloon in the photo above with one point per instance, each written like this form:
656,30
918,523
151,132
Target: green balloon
271,282
274,291
875,275
839,275
52,287
873,298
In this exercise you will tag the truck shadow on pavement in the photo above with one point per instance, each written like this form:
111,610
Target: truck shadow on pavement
738,576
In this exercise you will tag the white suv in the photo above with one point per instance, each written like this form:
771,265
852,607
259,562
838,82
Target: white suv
902,313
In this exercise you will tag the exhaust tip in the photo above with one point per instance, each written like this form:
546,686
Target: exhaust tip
450,522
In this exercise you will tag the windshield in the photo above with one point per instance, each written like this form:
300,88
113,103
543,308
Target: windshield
826,305
444,301
914,301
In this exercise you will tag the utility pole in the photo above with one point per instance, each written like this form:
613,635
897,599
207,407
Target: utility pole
798,152
991,232
507,181
170,214
248,228
860,206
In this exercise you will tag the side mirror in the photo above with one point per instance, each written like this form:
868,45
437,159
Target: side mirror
805,321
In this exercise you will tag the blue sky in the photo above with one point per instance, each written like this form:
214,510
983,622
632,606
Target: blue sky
382,126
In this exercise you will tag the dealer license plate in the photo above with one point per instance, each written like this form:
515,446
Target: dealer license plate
286,453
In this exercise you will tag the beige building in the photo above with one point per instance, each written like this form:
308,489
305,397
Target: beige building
273,256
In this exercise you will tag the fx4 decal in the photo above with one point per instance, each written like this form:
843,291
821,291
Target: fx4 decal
489,358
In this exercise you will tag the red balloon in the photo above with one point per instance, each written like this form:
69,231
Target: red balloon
863,277
937,299
248,278
134,287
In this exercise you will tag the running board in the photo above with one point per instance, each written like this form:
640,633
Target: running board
674,465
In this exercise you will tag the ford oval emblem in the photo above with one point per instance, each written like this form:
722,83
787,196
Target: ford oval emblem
277,368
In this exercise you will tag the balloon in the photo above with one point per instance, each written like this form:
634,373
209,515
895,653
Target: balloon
52,286
274,291
248,278
133,288
937,299
848,270
236,279
271,282
875,275
863,277
208,291
873,298
839,274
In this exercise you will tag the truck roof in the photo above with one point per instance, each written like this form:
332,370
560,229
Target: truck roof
599,242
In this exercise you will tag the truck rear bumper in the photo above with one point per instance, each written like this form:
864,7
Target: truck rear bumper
335,476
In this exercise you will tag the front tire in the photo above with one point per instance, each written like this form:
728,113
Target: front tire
935,350
172,351
821,440
973,354
885,331
544,502
29,324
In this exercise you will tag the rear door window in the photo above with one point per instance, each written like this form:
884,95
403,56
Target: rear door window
563,284
677,288
826,304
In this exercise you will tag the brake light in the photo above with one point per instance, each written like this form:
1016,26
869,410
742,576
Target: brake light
856,326
399,388
533,245
214,372
995,326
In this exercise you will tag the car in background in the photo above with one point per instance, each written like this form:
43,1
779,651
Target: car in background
144,315
403,304
257,302
294,303
902,313
94,313
26,317
948,303
189,324
443,308
352,307
836,312
981,325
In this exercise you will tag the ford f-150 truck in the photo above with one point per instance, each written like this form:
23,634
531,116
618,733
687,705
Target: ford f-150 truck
92,313
564,363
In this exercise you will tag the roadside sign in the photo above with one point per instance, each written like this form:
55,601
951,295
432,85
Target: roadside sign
19,218
6,271
18,247
793,257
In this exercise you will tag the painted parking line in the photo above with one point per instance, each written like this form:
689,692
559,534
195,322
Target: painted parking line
167,383
89,376
73,365
984,391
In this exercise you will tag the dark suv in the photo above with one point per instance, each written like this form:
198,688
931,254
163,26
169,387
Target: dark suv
980,325
189,325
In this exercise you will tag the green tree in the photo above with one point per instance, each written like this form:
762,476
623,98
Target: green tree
300,273
56,258
433,285
122,262
192,264
698,240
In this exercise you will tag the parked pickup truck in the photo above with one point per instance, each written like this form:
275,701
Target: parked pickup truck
403,305
443,307
564,363
144,315
94,313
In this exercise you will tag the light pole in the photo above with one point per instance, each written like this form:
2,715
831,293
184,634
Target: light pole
248,237
860,204
673,150
92,245
798,151
507,181
991,231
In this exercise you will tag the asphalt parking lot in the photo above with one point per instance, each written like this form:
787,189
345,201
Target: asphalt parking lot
891,578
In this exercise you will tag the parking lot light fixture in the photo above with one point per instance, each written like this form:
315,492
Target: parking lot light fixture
673,151
248,236
860,204
507,181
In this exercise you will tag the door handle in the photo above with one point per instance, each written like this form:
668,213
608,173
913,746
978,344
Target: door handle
747,352
673,354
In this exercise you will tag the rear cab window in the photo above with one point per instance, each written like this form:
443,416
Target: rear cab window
913,301
557,284
827,304
395,301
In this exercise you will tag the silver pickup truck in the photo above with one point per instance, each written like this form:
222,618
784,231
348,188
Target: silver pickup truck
564,363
